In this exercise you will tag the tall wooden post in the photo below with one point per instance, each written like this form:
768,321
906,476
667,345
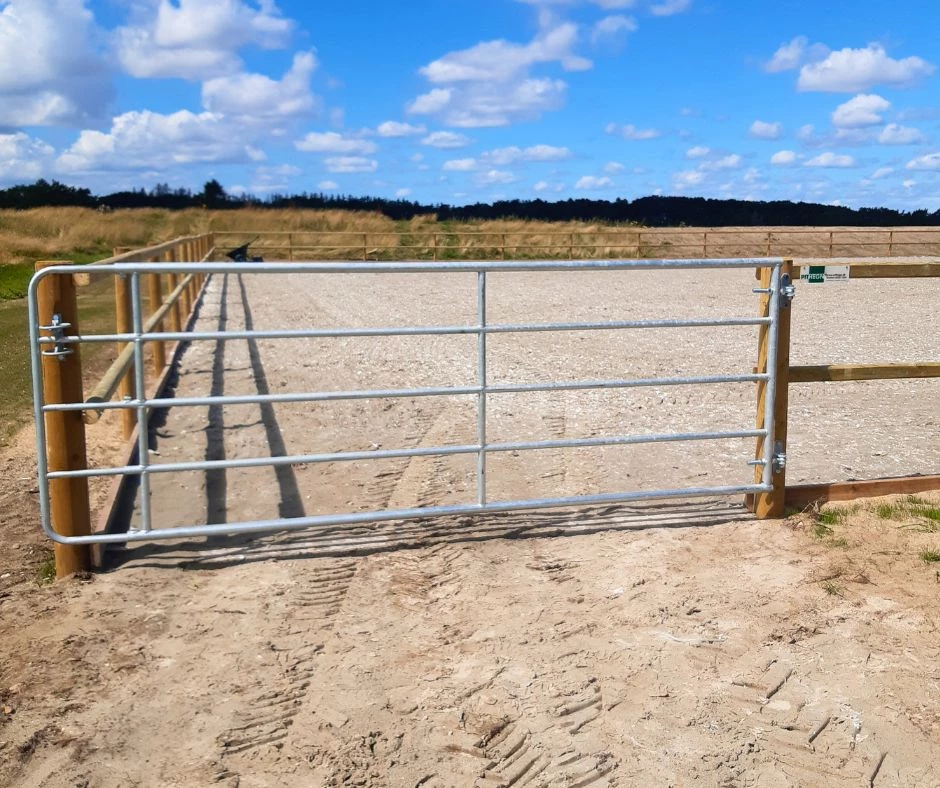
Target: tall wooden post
124,325
65,431
155,297
773,503
182,254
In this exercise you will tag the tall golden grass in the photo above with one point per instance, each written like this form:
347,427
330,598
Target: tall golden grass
80,233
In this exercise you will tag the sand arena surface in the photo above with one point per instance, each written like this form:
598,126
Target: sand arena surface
678,644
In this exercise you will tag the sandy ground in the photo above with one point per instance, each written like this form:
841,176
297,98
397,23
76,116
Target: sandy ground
679,644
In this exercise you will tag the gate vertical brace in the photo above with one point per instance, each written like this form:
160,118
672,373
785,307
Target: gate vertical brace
122,324
481,378
61,435
143,431
773,503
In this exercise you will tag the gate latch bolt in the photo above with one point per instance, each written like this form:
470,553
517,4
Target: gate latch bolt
57,330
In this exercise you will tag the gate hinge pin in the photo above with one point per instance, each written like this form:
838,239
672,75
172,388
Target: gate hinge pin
779,458
787,290
57,330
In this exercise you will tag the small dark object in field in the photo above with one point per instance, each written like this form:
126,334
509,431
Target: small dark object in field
240,255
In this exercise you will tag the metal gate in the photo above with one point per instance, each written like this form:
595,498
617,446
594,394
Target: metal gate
55,339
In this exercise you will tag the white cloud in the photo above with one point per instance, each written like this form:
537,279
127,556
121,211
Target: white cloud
327,186
794,54
698,152
460,165
513,154
783,158
910,183
686,178
882,172
392,128
863,110
446,140
763,130
149,140
23,158
494,176
491,84
829,159
855,70
50,72
894,134
350,164
613,167
805,132
197,39
402,193
670,7
612,27
333,142
730,162
548,186
929,161
593,182
259,96
631,132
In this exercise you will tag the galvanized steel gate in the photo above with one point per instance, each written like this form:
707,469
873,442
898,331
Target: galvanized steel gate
55,339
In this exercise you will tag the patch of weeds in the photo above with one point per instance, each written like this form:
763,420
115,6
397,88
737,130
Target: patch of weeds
831,588
929,556
891,511
46,572
821,530
839,542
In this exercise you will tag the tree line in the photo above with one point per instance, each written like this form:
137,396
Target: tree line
646,211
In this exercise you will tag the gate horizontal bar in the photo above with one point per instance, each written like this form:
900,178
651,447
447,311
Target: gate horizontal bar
421,267
330,396
299,523
391,454
320,333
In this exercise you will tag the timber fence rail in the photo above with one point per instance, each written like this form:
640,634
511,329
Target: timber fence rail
54,309
418,243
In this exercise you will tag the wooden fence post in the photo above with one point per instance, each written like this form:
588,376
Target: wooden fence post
772,504
155,297
123,324
65,430
174,321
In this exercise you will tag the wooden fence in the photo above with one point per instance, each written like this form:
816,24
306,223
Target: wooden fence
587,244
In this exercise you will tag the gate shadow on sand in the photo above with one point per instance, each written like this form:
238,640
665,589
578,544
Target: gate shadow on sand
343,541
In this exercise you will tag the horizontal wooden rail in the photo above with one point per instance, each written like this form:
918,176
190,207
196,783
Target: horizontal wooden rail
799,496
839,373
877,269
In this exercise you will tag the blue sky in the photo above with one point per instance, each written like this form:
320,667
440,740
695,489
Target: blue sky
458,101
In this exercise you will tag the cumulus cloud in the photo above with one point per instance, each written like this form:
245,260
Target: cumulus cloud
327,186
730,162
670,7
259,96
686,178
402,193
495,177
446,140
612,28
929,161
150,140
829,159
882,172
23,157
350,164
856,70
895,134
50,71
460,165
393,128
514,154
631,132
197,39
794,54
491,83
547,186
783,158
698,152
593,182
613,167
863,110
763,130
333,142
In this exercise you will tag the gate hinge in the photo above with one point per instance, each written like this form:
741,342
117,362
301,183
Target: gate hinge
779,460
57,330
787,290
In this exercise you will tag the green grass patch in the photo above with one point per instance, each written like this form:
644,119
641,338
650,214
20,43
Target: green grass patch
831,588
822,531
929,556
46,572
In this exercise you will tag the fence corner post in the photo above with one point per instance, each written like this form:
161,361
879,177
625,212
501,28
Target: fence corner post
772,504
65,430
